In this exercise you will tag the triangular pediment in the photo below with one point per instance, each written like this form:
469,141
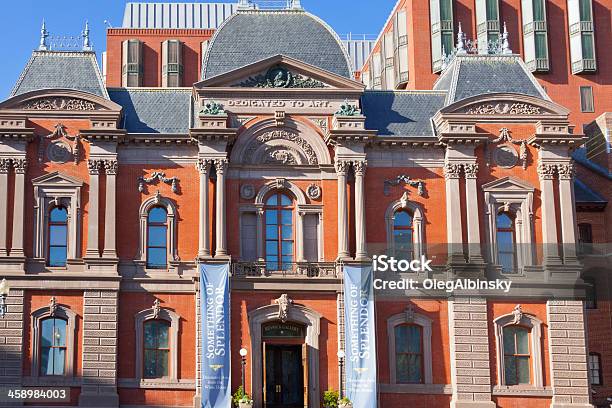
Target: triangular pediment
508,184
278,73
57,179
60,100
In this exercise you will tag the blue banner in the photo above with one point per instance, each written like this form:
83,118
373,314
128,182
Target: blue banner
215,318
360,336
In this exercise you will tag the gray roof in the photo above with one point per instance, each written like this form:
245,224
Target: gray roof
61,70
155,110
471,75
584,194
580,155
177,15
401,113
254,35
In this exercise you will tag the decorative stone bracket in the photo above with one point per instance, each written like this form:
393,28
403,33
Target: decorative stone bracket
158,176
402,178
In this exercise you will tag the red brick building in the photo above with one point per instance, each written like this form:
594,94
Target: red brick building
231,134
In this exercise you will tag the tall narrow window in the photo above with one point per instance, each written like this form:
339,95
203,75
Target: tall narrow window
487,24
58,237
516,355
157,238
590,301
279,232
585,238
595,369
535,34
581,33
586,99
402,235
442,31
53,346
172,63
506,239
131,70
409,354
156,349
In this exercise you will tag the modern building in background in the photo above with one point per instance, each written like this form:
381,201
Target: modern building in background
259,138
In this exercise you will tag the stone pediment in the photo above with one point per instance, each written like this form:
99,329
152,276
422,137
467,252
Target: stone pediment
60,100
57,179
507,184
505,105
278,73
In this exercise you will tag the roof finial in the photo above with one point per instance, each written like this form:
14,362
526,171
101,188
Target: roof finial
460,41
43,37
444,58
505,44
296,5
244,5
85,35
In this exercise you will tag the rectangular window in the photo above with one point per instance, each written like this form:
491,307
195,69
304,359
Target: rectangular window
581,36
535,35
409,354
590,301
442,31
248,237
311,235
595,369
131,70
585,238
156,349
487,24
53,346
172,67
401,48
586,99
516,355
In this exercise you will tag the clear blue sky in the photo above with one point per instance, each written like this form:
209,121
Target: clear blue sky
20,28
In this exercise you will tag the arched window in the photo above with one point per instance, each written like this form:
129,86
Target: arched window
403,235
409,354
53,346
156,349
157,238
279,232
517,356
58,237
506,242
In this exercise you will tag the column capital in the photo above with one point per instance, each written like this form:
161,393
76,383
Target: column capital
470,170
221,165
110,166
452,170
20,165
342,167
359,166
5,164
203,165
546,171
566,171
93,166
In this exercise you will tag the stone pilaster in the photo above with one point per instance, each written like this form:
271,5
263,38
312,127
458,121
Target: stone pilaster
20,166
203,167
546,173
454,235
568,355
11,340
110,207
342,168
469,349
5,164
221,168
360,216
93,247
100,334
567,206
473,214
198,349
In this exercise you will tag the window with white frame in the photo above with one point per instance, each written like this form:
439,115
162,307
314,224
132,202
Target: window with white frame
157,233
405,230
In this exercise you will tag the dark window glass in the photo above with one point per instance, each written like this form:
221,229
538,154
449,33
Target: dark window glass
58,237
279,232
157,238
156,349
595,369
591,294
586,99
409,354
506,248
52,346
516,355
585,238
402,235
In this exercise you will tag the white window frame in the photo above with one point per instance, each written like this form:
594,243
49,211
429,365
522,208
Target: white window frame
535,348
418,226
145,207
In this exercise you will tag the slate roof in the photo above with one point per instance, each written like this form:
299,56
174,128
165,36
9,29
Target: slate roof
580,155
585,195
254,35
61,70
471,75
401,113
155,110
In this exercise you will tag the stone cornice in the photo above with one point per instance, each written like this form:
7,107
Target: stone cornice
103,135
158,139
20,134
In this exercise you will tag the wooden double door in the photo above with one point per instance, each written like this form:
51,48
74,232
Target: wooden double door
285,375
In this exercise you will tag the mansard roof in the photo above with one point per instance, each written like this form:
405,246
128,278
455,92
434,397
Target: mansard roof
471,75
401,113
61,70
253,35
155,110
584,195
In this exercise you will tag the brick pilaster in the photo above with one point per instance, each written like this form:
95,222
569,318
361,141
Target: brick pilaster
11,341
469,348
100,311
568,355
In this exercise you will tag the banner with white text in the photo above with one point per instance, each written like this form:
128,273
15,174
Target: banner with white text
215,352
360,336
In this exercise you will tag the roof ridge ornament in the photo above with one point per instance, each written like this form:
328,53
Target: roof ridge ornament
296,5
460,41
505,44
42,46
245,5
85,34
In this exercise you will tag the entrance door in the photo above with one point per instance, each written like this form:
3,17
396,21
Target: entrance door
284,376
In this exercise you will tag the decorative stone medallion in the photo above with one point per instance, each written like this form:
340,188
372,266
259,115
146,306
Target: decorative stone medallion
314,192
247,191
505,156
59,152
